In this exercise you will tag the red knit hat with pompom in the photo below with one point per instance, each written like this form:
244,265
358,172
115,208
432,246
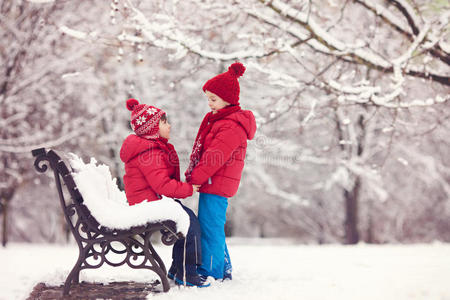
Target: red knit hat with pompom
144,118
226,85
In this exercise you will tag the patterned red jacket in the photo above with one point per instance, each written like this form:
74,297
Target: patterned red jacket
151,170
221,152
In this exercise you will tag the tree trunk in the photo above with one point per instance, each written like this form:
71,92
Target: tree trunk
228,228
5,222
352,197
370,234
351,214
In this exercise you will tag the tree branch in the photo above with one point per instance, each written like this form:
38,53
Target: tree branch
339,48
409,14
392,20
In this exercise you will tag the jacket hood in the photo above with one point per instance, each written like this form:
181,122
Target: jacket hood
246,119
134,145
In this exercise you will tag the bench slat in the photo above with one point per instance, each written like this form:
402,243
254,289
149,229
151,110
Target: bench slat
73,189
53,156
62,168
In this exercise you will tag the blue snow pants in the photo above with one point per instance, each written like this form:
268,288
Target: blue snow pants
212,217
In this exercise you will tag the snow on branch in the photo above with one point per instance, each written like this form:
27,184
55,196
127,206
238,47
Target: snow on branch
409,13
435,171
385,14
358,90
93,36
325,38
346,169
356,52
373,180
287,27
74,33
311,114
364,94
271,188
370,94
10,146
174,39
400,62
41,76
436,47
275,77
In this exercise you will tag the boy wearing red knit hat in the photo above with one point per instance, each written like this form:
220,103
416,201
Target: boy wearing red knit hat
152,171
216,163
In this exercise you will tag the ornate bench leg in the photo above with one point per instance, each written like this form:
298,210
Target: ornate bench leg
157,258
165,283
74,275
163,276
156,262
66,287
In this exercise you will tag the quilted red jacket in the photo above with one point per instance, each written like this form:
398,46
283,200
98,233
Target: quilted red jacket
151,170
222,154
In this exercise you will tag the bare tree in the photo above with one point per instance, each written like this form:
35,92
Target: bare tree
342,92
38,107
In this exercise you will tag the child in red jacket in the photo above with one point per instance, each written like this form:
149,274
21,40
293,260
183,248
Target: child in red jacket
152,171
216,163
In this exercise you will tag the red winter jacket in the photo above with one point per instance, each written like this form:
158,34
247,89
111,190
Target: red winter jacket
222,154
151,170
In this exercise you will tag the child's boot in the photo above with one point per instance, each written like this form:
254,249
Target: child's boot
192,277
172,271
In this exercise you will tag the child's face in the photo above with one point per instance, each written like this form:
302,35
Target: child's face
215,102
164,129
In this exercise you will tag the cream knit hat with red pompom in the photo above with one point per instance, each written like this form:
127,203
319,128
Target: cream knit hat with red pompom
226,85
144,118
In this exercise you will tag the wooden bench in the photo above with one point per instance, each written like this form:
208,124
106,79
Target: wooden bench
98,244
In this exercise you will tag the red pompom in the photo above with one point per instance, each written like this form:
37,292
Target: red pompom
131,103
237,69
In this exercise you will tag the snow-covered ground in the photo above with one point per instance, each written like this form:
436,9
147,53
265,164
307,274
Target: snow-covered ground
263,269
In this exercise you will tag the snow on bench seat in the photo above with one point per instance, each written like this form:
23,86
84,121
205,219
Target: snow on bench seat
109,205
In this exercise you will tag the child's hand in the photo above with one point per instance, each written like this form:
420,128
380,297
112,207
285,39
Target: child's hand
196,187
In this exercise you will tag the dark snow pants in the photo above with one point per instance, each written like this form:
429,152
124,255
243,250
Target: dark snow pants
193,255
